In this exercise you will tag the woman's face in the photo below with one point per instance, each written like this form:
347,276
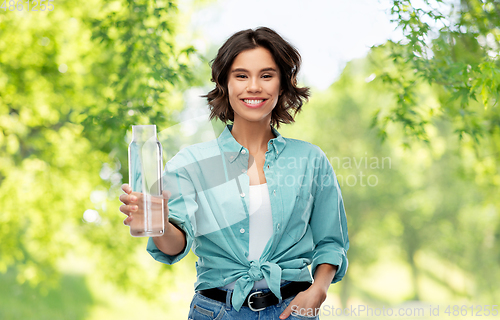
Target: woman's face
253,86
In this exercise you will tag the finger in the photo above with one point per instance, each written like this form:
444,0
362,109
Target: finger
128,220
128,209
125,209
291,307
125,198
135,196
126,188
166,194
285,314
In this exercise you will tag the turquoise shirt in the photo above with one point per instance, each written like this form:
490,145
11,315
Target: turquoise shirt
209,201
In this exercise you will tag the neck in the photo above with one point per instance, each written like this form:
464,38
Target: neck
253,135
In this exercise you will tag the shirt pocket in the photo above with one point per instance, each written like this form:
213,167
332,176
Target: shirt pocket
220,207
300,214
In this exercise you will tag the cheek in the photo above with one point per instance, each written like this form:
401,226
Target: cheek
277,87
232,90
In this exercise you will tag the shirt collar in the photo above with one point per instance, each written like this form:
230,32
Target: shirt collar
229,144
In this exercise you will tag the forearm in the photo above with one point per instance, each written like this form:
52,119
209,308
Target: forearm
323,276
172,242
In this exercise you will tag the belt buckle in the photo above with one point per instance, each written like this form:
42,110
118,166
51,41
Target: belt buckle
250,302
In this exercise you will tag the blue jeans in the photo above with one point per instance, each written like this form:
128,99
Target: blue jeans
203,308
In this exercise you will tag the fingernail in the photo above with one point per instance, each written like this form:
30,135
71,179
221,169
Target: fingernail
133,198
134,208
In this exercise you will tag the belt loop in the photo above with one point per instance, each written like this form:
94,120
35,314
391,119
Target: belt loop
228,299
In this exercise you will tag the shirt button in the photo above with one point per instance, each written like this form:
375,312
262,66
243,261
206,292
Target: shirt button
274,192
278,227
242,230
268,166
242,194
243,151
231,157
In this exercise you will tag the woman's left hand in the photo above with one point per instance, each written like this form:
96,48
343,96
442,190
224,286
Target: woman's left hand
306,303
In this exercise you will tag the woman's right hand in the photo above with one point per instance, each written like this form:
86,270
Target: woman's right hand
173,240
133,205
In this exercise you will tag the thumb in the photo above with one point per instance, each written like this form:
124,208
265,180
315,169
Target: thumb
166,195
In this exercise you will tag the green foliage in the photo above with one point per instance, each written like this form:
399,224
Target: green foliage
72,81
71,299
426,201
141,66
455,51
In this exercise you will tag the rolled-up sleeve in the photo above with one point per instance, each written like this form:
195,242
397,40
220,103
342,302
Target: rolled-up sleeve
182,205
328,222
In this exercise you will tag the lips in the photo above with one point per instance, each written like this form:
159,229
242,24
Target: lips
254,102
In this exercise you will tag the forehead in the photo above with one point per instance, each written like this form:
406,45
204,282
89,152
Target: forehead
254,60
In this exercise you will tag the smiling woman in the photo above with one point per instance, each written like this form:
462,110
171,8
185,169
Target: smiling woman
232,203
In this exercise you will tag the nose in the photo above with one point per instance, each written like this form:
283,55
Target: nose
254,85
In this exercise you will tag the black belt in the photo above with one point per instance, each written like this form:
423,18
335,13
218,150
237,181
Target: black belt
259,300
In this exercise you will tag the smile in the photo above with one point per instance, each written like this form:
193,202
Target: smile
253,103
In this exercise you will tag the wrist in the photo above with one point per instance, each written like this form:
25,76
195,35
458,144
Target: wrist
319,289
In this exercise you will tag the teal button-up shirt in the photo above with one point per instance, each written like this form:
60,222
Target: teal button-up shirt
209,202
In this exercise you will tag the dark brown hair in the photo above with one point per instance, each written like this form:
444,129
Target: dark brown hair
286,57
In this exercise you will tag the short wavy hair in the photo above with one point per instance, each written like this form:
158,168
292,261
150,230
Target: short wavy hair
286,57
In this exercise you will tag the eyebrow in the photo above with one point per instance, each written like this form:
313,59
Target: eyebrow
245,70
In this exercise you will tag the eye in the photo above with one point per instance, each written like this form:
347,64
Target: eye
241,76
267,76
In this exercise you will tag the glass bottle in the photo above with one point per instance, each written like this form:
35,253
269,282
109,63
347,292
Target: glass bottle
145,167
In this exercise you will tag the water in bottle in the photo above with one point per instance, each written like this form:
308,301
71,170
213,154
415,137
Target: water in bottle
145,167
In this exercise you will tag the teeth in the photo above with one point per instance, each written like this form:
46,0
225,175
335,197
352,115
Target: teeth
253,101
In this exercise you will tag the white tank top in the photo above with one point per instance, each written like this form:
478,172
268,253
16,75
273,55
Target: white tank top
261,227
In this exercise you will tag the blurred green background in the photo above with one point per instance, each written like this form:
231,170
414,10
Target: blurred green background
412,131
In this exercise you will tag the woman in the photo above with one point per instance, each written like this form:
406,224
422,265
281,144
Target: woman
255,207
